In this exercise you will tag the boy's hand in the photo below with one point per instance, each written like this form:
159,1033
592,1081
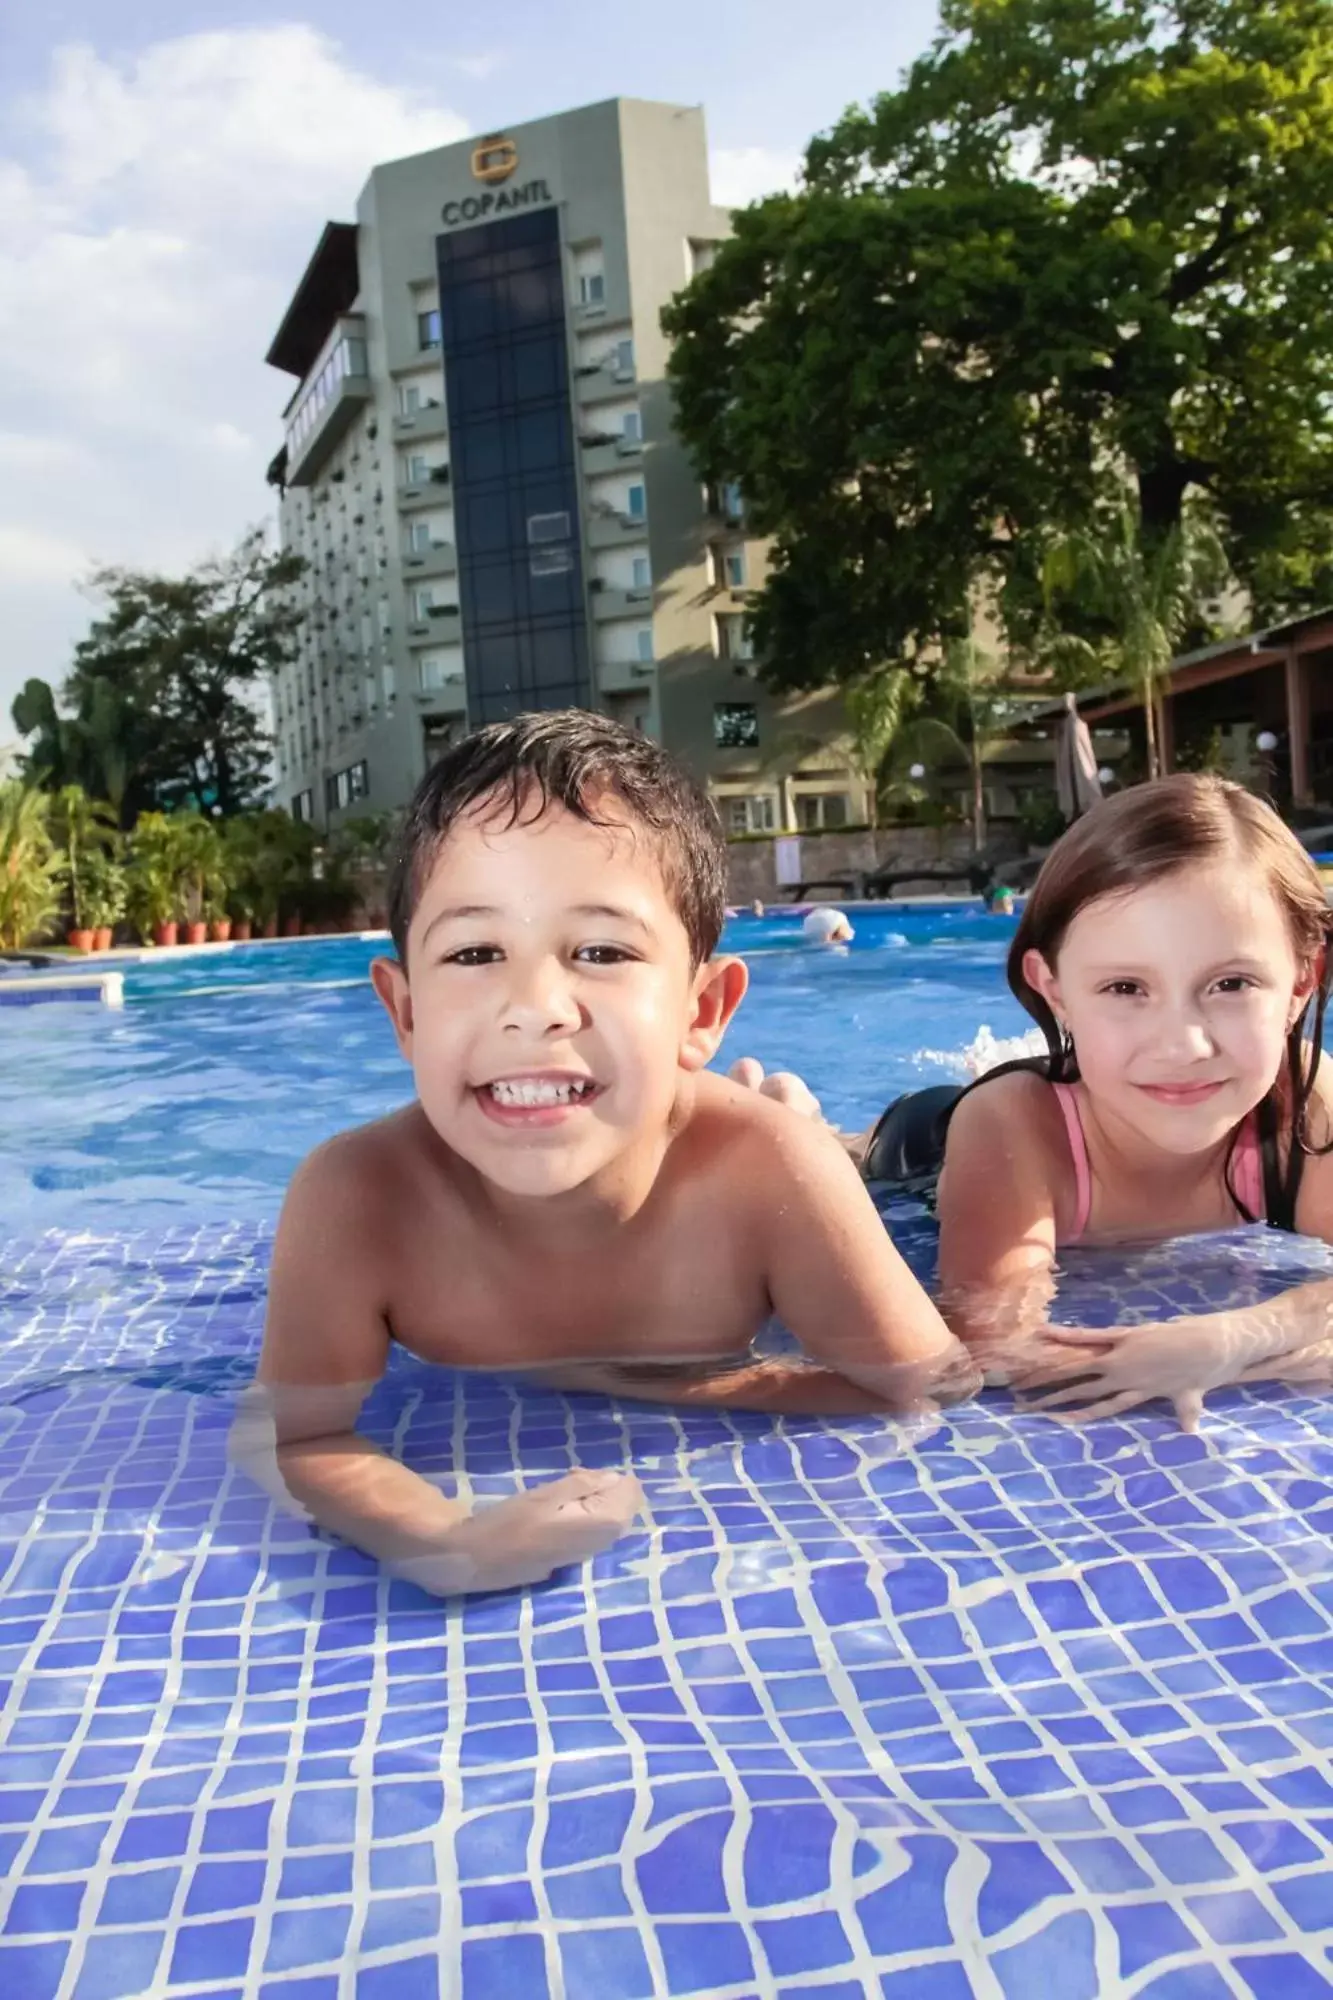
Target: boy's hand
523,1539
784,1086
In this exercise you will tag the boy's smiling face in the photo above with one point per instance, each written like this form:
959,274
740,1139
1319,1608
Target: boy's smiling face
548,1005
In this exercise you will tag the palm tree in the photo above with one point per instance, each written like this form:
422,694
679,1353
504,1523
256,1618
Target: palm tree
1150,592
878,707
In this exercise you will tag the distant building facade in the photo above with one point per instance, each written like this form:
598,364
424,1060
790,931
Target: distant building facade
481,473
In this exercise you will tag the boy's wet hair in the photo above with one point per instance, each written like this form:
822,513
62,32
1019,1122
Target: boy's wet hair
1154,830
583,762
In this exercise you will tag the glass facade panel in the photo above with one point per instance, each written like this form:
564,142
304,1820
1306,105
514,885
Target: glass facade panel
512,449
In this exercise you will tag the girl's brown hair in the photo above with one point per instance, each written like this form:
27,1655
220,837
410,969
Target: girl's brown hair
1154,830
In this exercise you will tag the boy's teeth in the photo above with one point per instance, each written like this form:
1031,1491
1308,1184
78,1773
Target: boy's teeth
534,1091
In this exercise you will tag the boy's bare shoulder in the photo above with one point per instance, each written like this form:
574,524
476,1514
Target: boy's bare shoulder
360,1176
745,1132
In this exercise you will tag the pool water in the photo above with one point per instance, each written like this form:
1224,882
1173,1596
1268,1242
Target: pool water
226,1067
985,1706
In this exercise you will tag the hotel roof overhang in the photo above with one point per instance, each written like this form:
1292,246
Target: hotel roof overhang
1224,660
326,291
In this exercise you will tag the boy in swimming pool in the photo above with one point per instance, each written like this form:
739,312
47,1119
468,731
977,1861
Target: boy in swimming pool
569,1195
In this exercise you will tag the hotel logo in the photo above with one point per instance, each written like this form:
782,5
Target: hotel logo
494,159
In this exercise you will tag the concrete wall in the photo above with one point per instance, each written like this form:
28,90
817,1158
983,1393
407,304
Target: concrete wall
752,873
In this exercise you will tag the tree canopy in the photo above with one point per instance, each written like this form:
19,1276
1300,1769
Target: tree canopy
158,710
1085,241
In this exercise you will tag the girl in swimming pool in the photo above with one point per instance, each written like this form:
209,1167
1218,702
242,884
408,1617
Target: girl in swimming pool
1174,950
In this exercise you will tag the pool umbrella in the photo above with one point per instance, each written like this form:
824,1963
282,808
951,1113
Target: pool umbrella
1077,785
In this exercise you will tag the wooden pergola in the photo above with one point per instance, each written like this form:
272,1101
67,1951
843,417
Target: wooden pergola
1292,650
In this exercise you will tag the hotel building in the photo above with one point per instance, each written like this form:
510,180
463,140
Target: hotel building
481,473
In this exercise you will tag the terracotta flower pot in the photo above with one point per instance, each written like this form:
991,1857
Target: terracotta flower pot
220,929
102,938
196,934
165,934
291,926
270,929
240,930
80,940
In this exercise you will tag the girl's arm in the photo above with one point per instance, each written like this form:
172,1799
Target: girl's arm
1286,1338
998,1202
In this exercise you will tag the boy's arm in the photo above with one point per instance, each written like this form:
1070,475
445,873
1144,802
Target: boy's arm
326,1342
836,1279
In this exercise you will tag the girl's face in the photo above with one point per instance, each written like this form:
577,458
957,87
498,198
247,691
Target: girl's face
1179,997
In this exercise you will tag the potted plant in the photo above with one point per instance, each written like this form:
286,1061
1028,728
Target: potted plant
104,895
30,867
202,872
152,879
82,826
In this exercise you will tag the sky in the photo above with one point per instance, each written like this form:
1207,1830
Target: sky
165,169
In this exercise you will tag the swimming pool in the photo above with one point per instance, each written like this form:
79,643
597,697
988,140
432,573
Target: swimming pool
987,1708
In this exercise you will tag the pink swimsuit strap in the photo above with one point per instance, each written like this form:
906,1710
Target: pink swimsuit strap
1247,1166
1078,1153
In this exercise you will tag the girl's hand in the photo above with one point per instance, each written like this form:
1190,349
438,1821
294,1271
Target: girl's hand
784,1087
1111,1369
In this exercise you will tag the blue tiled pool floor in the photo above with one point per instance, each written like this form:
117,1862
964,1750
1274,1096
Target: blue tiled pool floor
996,1708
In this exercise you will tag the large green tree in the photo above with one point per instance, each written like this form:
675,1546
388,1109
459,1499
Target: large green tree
160,708
1084,237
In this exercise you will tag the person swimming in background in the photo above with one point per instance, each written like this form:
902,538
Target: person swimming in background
823,925
1174,951
571,1195
757,907
999,900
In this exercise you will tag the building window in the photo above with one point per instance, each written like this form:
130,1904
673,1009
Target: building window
733,638
437,733
386,618
756,813
735,569
428,328
551,562
816,811
388,682
409,399
592,289
303,805
631,426
622,360
641,574
423,598
418,470
548,527
419,537
643,642
430,670
736,725
359,779
636,502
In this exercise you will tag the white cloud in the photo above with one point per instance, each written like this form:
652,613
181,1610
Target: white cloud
479,67
742,174
150,235
27,557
